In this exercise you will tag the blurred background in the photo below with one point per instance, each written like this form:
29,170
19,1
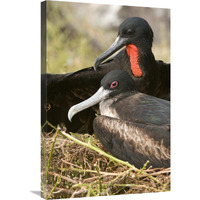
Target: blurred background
77,33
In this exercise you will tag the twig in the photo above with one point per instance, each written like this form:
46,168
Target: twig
93,178
69,163
89,170
43,125
101,180
78,192
58,179
88,186
94,148
99,151
153,174
107,155
62,177
121,174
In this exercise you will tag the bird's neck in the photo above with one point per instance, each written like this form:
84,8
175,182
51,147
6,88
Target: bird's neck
139,60
133,54
154,72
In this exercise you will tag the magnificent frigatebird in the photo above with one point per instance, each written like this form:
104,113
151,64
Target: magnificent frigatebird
150,76
133,126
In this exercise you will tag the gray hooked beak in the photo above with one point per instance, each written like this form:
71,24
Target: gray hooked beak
100,95
118,44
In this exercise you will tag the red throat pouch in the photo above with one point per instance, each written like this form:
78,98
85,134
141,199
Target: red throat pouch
132,52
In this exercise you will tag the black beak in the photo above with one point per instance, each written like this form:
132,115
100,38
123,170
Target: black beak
118,44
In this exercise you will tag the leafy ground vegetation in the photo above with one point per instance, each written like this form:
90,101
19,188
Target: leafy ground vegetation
77,165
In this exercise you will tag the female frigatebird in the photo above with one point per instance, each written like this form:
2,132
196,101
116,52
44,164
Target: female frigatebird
150,76
133,126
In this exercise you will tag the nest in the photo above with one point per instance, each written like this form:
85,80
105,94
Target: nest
77,165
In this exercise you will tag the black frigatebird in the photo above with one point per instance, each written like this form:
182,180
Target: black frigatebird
133,126
150,76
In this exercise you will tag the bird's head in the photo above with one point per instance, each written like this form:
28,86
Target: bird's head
133,30
113,83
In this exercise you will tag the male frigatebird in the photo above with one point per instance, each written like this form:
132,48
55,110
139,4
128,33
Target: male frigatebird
150,76
133,126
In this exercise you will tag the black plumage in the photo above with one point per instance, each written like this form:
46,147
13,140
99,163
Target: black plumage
63,91
137,36
133,126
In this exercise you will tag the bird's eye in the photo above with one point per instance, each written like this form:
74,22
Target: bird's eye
114,84
129,31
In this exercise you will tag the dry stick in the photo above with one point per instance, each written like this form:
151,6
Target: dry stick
78,192
69,163
43,125
89,186
103,153
94,183
62,190
93,148
120,175
59,191
157,169
150,176
153,173
89,170
99,151
96,177
61,176
93,178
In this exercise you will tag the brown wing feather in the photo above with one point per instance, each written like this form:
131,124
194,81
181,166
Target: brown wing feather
133,142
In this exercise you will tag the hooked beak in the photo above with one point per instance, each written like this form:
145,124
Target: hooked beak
118,44
100,95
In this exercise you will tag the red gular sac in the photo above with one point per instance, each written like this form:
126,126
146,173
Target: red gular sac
132,52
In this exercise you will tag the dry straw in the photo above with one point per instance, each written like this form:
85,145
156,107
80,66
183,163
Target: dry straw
77,165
